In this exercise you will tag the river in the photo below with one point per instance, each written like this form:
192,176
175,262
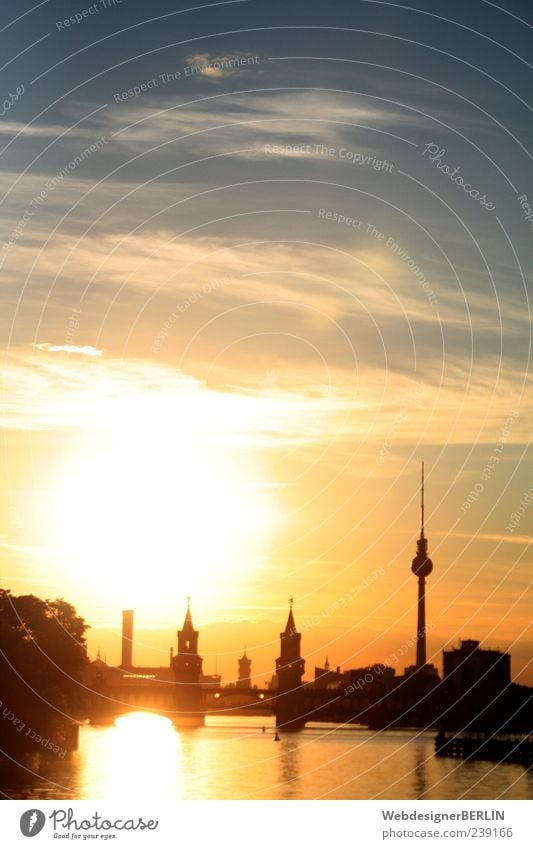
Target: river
144,756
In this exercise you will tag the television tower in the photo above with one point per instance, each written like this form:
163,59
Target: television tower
422,566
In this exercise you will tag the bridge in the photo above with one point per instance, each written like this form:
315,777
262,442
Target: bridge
313,704
115,698
181,692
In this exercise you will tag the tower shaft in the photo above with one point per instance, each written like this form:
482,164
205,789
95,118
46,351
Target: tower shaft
421,627
187,669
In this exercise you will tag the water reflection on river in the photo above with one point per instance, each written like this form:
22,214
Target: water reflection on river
143,755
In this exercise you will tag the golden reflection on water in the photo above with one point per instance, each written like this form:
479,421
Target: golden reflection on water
143,755
140,752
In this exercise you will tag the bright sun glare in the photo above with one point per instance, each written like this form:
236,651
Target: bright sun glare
143,514
141,751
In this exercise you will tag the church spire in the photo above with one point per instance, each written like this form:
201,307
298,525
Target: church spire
188,637
290,627
187,622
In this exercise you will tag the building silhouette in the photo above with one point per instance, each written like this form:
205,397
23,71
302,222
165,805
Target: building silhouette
476,694
187,664
187,669
290,667
327,677
470,666
245,672
421,566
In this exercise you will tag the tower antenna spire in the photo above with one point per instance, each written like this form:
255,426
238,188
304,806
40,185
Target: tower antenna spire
422,505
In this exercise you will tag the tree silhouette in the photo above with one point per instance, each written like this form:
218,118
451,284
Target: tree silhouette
42,659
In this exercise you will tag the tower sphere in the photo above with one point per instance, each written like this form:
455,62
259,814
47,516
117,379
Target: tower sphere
422,565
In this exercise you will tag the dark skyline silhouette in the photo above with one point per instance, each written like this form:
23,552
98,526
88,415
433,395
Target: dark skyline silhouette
259,261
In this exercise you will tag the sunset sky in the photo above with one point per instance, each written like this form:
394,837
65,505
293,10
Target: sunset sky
213,383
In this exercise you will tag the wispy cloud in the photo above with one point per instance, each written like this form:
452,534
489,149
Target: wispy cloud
218,67
44,393
246,402
86,350
217,122
513,539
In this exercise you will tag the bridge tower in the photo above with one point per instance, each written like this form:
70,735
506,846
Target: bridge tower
290,669
187,668
245,672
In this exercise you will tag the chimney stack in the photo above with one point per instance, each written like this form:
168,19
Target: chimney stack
127,639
